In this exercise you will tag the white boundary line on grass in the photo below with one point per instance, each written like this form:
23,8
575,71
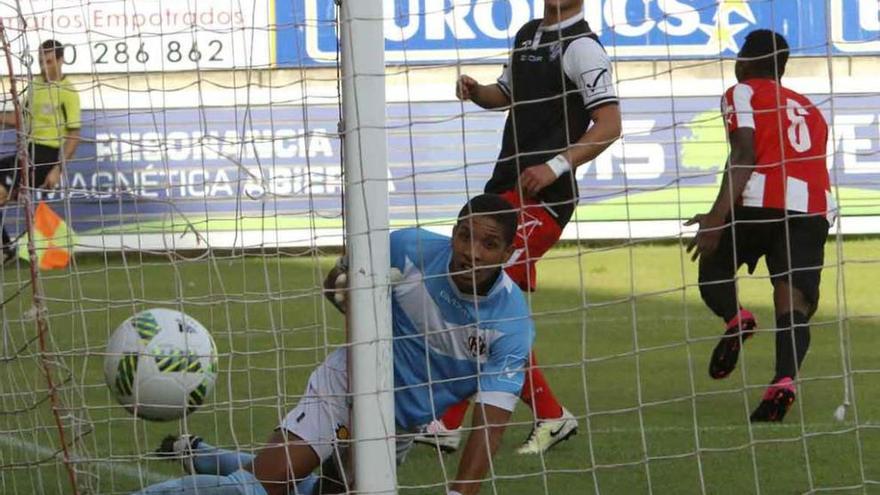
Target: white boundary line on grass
811,428
139,473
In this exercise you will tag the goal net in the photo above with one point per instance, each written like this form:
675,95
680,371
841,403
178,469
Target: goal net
208,178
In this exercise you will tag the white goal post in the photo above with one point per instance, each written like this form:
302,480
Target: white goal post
371,373
232,148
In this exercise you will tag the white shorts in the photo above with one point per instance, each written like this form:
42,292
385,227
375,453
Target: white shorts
321,418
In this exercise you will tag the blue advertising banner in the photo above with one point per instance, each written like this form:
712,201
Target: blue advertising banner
443,31
146,169
276,168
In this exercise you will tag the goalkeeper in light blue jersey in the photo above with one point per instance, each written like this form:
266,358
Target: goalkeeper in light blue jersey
461,328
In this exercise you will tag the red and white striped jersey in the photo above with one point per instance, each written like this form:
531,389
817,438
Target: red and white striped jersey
790,142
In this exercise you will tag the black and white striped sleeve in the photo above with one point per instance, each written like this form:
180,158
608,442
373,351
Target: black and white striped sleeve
587,65
505,78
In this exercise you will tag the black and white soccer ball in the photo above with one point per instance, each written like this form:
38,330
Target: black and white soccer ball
161,364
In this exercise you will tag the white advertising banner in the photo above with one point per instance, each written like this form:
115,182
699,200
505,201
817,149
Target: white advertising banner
142,35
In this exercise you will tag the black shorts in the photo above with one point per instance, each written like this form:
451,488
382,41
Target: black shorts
43,158
797,251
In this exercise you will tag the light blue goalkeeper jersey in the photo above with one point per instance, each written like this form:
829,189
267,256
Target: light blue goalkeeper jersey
449,346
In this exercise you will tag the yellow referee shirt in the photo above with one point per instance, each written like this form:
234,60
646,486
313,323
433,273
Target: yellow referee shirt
53,108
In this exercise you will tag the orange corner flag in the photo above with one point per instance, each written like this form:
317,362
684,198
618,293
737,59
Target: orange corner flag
52,239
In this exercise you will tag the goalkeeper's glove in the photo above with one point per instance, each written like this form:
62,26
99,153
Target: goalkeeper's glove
339,286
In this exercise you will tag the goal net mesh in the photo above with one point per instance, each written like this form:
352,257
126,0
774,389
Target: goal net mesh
208,179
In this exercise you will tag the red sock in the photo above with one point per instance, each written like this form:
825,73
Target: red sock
537,394
454,416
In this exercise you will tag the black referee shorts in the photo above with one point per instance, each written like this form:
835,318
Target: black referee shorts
43,158
792,246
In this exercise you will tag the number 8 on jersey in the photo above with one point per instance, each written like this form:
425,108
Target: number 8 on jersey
790,146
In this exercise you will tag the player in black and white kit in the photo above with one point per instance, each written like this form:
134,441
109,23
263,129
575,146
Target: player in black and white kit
557,82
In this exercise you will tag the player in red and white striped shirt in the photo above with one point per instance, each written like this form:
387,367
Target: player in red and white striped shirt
774,202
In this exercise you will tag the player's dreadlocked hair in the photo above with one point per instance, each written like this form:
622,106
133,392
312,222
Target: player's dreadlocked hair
496,207
767,52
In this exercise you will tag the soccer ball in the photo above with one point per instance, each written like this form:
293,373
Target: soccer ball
161,364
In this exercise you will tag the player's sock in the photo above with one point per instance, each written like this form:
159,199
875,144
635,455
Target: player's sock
238,483
308,486
207,459
792,343
536,393
720,297
454,416
200,457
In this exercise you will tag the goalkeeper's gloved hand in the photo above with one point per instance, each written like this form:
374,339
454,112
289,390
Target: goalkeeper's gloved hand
394,276
336,289
338,286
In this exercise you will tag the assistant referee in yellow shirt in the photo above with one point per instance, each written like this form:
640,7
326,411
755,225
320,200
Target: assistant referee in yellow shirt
52,127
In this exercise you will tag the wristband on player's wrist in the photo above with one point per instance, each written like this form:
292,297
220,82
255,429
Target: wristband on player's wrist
559,164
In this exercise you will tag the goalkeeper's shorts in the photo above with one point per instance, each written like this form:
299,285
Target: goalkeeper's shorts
321,418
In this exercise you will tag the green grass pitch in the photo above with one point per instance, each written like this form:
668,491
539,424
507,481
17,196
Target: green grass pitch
621,329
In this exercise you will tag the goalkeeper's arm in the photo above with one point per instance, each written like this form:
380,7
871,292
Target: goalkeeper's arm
488,427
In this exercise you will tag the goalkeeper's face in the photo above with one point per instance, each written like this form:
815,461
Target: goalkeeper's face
479,248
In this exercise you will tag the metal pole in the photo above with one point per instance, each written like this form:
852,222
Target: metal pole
366,214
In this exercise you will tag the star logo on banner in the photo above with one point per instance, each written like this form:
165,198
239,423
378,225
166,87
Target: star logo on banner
723,32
